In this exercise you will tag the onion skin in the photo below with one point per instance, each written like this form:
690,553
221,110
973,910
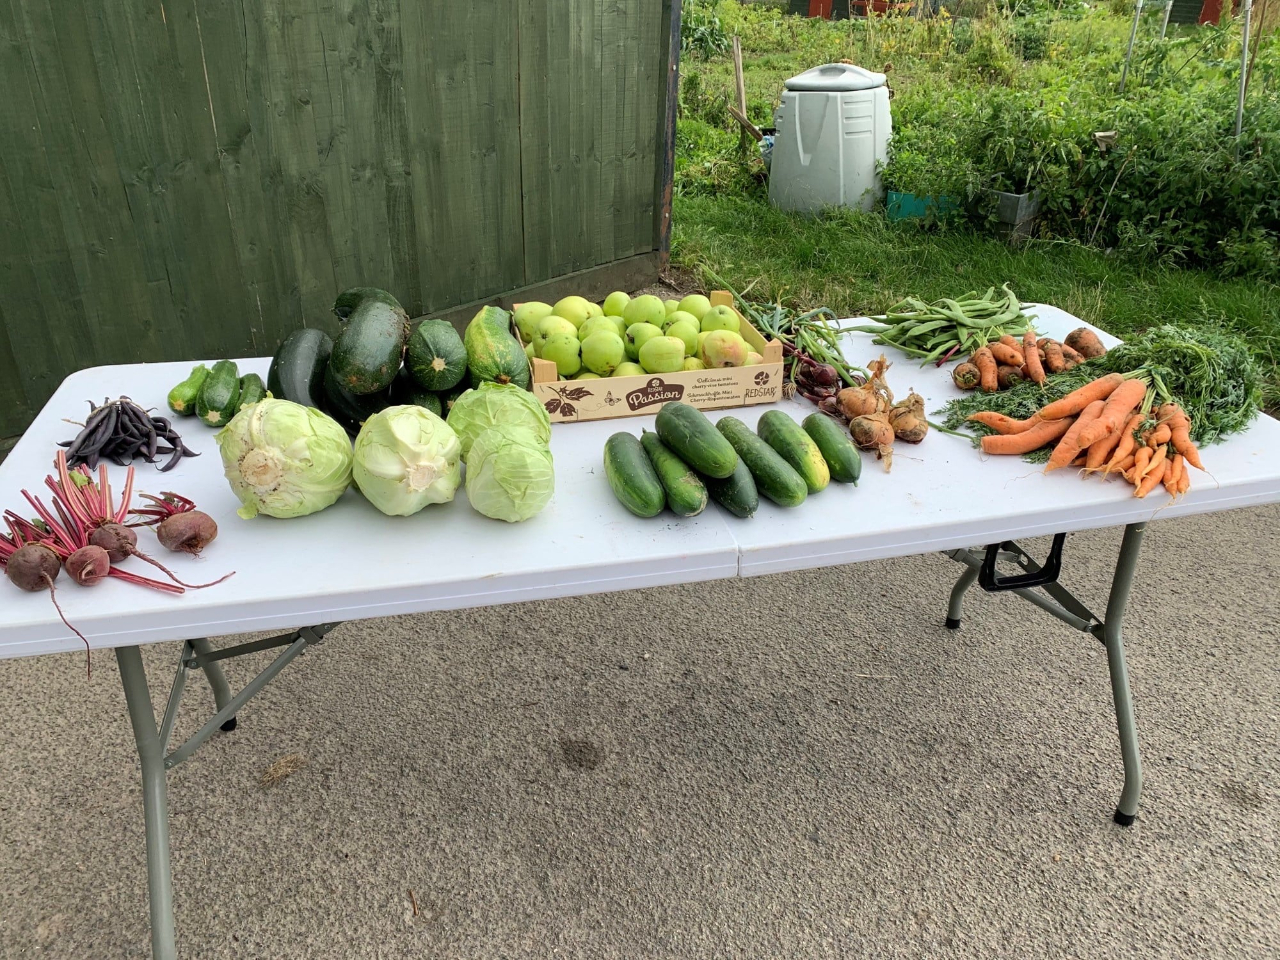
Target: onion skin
33,567
857,402
118,540
89,565
188,532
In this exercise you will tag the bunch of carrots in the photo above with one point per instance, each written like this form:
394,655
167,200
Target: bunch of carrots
1107,427
1008,361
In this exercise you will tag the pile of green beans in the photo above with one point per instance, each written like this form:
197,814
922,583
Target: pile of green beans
946,328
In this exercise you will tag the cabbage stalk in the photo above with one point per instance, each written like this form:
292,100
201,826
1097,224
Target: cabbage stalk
490,404
284,459
510,473
406,458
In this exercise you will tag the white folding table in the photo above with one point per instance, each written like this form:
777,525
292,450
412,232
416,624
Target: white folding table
350,562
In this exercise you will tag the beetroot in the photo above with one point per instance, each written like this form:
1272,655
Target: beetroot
33,567
89,565
116,539
181,527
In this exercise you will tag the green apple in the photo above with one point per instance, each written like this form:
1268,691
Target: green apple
628,369
615,303
602,352
551,326
527,316
529,351
671,306
678,317
645,309
693,363
686,330
575,309
637,335
721,318
662,355
753,359
595,324
696,304
587,375
562,350
723,348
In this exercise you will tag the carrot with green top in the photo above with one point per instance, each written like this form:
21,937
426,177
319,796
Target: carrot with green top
986,364
1046,431
1140,461
1002,424
1173,474
1162,434
1005,353
1120,404
1128,442
1157,461
1069,446
1150,481
1077,400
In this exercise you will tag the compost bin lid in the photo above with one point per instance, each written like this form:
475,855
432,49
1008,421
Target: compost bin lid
835,78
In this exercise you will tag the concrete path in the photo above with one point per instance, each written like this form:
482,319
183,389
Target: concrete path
800,766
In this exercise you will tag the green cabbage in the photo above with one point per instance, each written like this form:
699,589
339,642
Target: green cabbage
490,404
406,458
284,459
510,474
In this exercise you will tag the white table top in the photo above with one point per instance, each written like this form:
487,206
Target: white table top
351,562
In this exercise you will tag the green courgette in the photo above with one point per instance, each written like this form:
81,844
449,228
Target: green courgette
252,389
686,494
435,356
219,395
297,370
351,409
405,390
182,398
366,356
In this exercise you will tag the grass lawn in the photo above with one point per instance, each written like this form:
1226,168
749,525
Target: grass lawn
858,264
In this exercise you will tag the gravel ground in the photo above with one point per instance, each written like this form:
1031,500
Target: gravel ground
670,773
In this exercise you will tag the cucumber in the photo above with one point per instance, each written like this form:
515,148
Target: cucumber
252,389
435,356
632,477
686,494
351,409
736,492
405,391
785,435
352,297
182,398
366,355
219,395
688,432
774,477
297,369
836,446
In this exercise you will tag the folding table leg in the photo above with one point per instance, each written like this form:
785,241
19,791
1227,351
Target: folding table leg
1121,583
217,680
957,595
155,802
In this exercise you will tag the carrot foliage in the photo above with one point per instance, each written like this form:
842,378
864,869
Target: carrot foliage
1210,374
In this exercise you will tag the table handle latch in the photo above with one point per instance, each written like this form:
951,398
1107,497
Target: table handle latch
1037,575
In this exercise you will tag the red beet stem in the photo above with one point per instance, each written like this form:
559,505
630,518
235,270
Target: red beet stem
169,573
138,581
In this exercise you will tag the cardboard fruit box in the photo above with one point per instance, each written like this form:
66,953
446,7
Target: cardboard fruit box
568,401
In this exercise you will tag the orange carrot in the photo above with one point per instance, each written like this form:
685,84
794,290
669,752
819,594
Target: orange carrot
1100,451
1140,461
1173,474
1121,468
1127,440
1184,482
1070,355
1031,357
1005,353
986,364
1086,341
1150,481
1119,405
1158,459
1180,433
1077,400
1054,362
1028,440
1069,445
1161,434
1009,340
1000,423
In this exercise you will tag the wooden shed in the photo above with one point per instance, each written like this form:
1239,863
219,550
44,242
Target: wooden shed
194,180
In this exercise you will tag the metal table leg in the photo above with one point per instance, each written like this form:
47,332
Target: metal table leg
1121,583
217,680
155,803
1072,612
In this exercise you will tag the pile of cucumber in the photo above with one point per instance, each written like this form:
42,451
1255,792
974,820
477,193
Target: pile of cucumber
689,461
216,395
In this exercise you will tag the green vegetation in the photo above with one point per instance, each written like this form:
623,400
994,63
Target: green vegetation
1005,101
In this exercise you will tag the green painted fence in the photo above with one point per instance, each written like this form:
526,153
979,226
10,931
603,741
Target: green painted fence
192,179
